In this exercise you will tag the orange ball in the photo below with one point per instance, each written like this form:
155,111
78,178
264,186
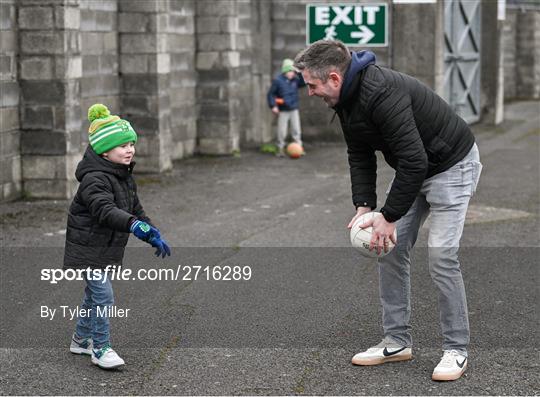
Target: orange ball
295,150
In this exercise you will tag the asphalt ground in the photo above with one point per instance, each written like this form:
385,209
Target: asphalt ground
310,303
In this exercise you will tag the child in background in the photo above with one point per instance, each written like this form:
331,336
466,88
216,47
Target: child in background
104,211
283,100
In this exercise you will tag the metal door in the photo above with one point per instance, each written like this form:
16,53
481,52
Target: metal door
462,57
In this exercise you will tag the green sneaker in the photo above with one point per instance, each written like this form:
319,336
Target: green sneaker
81,345
106,358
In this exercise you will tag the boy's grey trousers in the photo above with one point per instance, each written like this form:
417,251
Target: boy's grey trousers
283,119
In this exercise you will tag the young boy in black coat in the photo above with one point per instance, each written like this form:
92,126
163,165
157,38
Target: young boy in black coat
104,211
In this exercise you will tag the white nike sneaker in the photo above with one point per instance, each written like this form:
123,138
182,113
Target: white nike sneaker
384,352
80,345
452,366
106,358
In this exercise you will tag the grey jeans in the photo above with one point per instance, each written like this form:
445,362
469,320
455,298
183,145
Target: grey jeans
283,119
445,197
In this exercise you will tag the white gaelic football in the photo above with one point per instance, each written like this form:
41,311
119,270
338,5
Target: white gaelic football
360,238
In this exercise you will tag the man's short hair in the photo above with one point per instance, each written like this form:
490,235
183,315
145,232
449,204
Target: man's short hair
323,57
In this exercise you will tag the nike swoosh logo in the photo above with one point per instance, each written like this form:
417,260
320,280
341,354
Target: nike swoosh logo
386,353
462,364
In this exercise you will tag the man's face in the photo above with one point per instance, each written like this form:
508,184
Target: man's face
328,90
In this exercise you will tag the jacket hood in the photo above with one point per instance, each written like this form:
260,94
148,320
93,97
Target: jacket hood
360,60
91,161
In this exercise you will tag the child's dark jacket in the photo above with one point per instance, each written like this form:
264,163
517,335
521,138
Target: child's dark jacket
101,212
287,90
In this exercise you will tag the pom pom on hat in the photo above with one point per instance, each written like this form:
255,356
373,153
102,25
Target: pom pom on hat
99,116
98,111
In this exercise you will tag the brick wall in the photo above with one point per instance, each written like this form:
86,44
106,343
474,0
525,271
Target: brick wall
10,159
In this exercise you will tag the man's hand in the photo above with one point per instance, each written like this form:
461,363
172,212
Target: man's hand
359,212
275,110
382,232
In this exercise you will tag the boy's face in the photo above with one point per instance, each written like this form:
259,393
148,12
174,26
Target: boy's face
290,74
122,154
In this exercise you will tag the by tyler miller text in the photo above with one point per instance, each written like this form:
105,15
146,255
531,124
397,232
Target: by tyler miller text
74,313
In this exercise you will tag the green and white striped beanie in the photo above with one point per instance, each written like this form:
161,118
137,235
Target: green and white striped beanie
108,131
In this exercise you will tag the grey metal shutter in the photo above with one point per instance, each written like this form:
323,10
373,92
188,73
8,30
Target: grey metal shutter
462,57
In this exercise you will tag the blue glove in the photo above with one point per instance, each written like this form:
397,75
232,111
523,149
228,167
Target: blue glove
143,231
150,235
161,247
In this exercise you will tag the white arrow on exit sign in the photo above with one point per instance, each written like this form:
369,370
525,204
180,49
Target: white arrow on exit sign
364,35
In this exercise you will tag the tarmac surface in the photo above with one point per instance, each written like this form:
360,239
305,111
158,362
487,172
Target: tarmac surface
304,302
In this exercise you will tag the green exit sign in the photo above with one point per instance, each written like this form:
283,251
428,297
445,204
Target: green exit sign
362,24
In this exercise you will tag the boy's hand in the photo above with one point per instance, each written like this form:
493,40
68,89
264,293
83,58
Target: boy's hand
143,231
151,235
275,110
161,246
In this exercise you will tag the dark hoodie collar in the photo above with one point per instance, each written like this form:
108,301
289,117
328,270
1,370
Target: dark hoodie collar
359,61
92,161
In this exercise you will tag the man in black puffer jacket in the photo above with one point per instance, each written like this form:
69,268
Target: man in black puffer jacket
437,168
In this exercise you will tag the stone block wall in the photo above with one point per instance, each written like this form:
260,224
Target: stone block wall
509,56
50,72
219,71
157,58
100,82
10,158
183,77
259,57
243,57
145,79
521,42
416,46
491,65
233,63
528,47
